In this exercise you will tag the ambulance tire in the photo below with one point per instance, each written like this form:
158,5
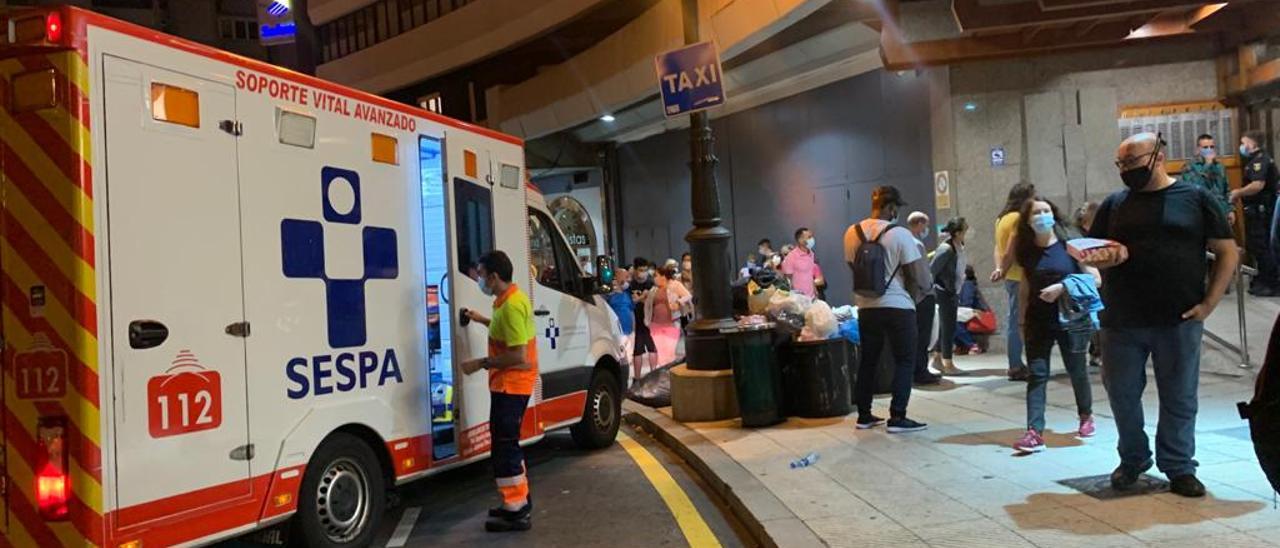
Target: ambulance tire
343,495
603,413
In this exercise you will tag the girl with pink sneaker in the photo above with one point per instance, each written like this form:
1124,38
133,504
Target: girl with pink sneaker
1039,247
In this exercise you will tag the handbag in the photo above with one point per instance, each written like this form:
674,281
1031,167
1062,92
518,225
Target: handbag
983,323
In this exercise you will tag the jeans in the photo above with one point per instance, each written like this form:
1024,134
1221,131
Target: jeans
1011,321
924,328
897,327
1175,356
1074,347
964,339
947,308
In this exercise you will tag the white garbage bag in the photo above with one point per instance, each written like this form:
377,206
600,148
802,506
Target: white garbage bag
820,320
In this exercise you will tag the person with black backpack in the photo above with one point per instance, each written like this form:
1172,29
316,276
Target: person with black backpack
890,276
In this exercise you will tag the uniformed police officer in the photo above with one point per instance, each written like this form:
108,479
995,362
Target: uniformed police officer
1258,195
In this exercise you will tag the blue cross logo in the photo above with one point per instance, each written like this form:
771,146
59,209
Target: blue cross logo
553,332
302,249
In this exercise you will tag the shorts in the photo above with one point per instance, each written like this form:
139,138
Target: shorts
644,342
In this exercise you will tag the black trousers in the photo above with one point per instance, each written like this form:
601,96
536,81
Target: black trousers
506,412
897,328
948,306
924,331
1257,227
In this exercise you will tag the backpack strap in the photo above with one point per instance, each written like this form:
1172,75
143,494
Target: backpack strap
862,236
887,228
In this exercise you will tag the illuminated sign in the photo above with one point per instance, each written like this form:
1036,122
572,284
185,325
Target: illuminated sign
275,22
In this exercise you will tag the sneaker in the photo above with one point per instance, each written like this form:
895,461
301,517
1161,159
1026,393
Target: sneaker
1087,428
1186,485
902,425
520,520
1031,442
1126,476
866,422
975,350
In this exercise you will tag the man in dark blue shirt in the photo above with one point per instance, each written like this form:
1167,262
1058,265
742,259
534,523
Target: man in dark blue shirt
1156,298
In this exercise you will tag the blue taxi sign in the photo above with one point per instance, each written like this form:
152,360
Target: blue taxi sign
690,79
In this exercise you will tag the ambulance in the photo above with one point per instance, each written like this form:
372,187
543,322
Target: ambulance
231,291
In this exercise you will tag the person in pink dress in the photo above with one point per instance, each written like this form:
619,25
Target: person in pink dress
667,304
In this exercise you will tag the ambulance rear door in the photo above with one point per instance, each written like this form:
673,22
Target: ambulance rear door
177,322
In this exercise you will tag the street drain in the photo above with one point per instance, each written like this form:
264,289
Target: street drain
1099,487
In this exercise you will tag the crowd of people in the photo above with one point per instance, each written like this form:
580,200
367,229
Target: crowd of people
1081,284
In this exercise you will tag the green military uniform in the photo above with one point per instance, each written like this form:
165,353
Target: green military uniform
1211,177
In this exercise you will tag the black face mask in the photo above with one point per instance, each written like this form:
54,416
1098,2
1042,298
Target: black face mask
1138,178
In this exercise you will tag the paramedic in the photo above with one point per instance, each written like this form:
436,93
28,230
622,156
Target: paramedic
513,368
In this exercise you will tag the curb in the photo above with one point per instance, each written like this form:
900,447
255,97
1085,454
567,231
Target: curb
767,520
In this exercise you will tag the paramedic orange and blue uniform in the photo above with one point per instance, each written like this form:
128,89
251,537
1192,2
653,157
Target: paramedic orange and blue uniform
510,390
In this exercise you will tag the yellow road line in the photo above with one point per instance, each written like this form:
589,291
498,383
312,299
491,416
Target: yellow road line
695,529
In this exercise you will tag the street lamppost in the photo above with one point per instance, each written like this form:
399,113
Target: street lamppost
705,347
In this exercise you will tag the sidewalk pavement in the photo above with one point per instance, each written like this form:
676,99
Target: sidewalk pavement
958,484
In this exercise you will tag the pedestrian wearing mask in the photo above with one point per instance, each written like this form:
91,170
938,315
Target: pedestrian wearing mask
947,268
1008,270
1207,172
889,277
1157,301
645,350
1048,270
664,309
1258,195
801,266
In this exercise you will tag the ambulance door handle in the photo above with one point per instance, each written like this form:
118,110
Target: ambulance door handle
541,312
147,334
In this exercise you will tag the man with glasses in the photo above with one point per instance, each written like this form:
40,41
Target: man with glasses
1157,300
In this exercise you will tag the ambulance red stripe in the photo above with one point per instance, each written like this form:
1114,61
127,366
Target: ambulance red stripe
57,285
41,198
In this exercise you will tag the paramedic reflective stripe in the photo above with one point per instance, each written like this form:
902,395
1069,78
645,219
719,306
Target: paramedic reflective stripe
47,241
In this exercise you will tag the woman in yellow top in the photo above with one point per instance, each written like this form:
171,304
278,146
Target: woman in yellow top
1008,270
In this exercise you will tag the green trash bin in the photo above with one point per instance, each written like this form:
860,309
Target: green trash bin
755,374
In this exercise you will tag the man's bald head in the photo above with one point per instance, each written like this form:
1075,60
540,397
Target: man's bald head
1142,143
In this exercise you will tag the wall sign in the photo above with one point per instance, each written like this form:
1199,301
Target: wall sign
997,156
942,190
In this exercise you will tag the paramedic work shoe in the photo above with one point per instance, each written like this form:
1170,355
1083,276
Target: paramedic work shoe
500,512
1126,476
867,422
1031,442
1186,485
1087,428
903,425
519,520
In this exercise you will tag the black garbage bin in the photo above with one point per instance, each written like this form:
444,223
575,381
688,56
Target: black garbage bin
755,374
816,379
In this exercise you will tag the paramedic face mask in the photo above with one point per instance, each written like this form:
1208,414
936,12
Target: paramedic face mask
483,281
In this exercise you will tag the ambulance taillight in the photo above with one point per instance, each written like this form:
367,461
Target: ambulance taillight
53,481
53,27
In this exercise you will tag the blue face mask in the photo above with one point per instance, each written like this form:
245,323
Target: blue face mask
1042,223
1244,151
809,243
1206,152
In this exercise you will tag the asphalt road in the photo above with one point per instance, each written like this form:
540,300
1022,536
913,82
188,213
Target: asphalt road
614,497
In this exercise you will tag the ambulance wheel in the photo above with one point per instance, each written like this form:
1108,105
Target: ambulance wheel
342,497
603,413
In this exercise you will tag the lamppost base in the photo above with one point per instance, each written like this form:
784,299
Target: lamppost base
705,348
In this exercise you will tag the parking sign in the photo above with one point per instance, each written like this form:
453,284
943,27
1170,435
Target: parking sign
690,79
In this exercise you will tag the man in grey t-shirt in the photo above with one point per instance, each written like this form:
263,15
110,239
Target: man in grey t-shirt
890,318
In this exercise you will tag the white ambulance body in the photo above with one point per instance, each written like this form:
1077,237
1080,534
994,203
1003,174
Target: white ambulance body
239,288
